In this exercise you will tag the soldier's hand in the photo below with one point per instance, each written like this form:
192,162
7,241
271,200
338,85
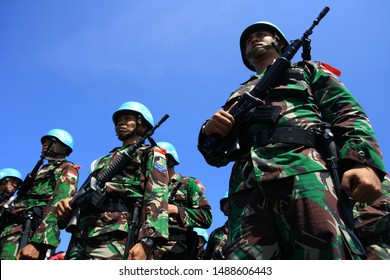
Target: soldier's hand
362,183
63,210
29,252
173,210
221,123
139,252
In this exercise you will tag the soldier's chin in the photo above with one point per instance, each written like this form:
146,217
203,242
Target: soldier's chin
257,52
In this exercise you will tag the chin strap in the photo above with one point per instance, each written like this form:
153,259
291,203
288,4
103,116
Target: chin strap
276,46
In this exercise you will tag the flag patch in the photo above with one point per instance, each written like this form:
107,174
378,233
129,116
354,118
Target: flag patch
72,175
330,69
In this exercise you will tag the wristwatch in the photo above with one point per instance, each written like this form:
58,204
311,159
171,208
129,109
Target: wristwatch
147,241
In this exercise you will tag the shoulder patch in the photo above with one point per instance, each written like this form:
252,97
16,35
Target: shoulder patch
160,167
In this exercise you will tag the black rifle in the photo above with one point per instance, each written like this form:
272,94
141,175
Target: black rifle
92,192
249,101
29,180
133,223
27,228
345,203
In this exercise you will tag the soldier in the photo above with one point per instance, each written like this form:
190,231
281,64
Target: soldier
218,237
282,202
10,181
102,231
203,238
373,224
56,180
188,208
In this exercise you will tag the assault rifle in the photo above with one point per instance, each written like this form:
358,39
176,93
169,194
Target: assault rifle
250,100
93,189
29,180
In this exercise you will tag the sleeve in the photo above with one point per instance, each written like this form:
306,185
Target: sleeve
214,157
155,204
197,211
351,126
48,232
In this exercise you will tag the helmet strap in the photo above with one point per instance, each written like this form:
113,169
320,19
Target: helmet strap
277,47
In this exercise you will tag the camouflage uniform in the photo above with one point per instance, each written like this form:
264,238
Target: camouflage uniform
194,211
55,181
102,233
217,241
282,201
373,224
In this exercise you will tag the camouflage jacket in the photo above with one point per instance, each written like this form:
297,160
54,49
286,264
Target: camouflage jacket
145,178
307,96
194,209
54,181
216,243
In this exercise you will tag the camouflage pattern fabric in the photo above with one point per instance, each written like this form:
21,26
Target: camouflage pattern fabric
307,96
145,178
194,211
216,244
54,181
372,221
109,246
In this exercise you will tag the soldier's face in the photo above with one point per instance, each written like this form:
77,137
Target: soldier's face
9,184
126,126
55,148
258,38
254,48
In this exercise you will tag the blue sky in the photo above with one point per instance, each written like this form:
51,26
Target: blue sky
70,64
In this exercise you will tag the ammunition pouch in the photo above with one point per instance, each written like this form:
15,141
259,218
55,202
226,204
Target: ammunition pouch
264,114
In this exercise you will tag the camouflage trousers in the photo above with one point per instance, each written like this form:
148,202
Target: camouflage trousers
109,246
9,246
292,218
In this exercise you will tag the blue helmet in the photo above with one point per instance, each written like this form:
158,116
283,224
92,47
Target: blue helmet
138,108
202,232
10,172
62,135
223,199
171,150
259,26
